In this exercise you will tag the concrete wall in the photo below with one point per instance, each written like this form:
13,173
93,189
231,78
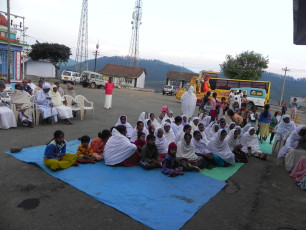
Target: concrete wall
40,69
141,80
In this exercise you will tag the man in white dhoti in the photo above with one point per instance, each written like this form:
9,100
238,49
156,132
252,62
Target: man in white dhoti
64,112
45,105
108,94
24,106
189,102
7,117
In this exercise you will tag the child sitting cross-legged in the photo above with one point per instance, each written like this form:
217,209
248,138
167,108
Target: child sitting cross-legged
85,153
149,154
55,156
170,166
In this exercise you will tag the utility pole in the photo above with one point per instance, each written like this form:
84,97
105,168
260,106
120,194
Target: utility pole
8,42
285,76
96,53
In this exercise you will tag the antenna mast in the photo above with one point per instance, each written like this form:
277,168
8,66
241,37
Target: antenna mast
81,59
133,55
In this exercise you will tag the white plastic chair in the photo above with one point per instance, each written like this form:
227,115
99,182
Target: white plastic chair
81,101
70,101
13,108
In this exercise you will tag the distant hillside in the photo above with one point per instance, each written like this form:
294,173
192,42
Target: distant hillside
157,70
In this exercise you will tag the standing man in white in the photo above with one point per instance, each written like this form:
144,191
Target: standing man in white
108,93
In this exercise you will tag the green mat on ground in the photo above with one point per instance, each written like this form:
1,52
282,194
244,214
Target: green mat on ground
223,173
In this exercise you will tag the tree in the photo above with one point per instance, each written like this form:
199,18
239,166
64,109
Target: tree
53,52
246,66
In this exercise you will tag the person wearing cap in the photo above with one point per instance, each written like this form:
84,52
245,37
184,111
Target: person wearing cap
164,111
44,104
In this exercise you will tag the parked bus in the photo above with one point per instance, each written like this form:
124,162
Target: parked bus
222,87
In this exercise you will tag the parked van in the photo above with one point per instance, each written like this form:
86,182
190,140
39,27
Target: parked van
71,77
92,79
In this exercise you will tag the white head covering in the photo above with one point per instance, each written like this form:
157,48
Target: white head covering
170,134
206,121
204,138
221,148
245,129
200,146
46,86
186,151
292,141
134,136
193,126
183,122
129,128
249,140
211,130
161,143
143,116
232,142
189,101
118,148
229,125
284,128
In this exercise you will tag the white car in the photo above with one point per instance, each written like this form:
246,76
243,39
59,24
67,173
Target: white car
71,77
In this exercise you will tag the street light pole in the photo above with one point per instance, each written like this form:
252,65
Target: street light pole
96,54
285,76
8,43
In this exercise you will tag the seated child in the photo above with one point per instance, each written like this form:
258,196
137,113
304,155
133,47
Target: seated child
140,142
149,154
149,126
170,166
55,156
98,144
85,153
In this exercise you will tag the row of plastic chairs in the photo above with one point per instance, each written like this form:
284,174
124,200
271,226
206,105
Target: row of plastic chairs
82,106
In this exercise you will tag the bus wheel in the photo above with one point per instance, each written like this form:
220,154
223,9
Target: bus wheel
93,85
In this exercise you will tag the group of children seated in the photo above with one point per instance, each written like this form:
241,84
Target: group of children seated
172,144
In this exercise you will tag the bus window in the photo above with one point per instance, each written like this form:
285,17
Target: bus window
259,85
256,93
245,84
221,84
233,84
213,83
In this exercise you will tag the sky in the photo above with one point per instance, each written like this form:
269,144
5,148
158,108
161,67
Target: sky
196,34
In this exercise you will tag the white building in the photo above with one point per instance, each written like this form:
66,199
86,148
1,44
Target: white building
42,69
125,76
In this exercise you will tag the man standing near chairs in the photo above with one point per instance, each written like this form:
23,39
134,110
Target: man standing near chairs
108,93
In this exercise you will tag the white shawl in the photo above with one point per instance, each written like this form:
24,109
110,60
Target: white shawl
193,126
200,146
292,141
176,128
183,122
248,140
284,128
142,117
232,142
161,143
129,128
189,101
186,151
118,148
170,134
221,148
206,121
211,132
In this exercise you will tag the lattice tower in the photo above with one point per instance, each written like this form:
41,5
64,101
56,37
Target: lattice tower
133,55
81,59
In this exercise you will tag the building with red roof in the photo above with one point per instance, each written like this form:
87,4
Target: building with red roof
125,76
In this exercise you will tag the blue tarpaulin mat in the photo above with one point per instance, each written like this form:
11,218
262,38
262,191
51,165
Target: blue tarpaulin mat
148,196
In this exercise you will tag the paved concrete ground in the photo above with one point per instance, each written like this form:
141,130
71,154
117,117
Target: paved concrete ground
259,196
